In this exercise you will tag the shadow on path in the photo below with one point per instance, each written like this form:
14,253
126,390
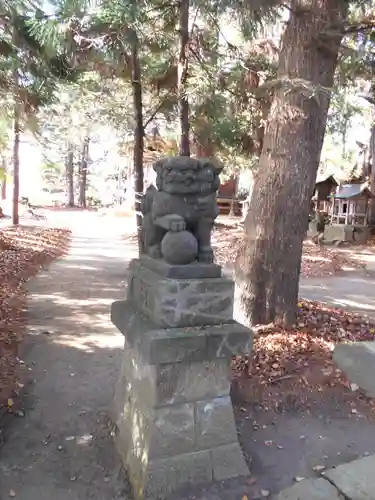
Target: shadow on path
62,448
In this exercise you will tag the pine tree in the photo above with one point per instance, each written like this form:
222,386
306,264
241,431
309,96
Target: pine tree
27,75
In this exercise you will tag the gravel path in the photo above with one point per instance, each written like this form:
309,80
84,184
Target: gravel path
353,291
62,448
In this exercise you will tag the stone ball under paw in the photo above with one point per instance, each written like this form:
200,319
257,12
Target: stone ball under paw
179,248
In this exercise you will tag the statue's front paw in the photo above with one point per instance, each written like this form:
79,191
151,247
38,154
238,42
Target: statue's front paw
177,226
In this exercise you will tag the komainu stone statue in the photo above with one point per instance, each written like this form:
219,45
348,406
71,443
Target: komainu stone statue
178,215
174,418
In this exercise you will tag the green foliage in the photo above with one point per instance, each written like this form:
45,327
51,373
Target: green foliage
229,85
343,108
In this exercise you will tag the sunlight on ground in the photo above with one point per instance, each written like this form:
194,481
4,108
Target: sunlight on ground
84,440
351,304
75,303
315,258
89,343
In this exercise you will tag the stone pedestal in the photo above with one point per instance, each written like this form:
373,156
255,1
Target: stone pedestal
174,416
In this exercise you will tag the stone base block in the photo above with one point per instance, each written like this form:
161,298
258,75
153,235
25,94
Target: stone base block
174,416
179,302
172,345
357,361
197,270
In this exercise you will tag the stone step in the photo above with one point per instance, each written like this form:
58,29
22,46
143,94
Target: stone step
310,489
357,361
356,480
352,481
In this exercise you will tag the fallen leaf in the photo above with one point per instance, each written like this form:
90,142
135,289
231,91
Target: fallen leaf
305,369
24,251
317,260
318,468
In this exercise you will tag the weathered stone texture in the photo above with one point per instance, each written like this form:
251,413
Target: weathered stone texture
196,270
228,461
173,429
177,382
171,345
169,474
215,424
357,361
179,214
356,480
311,489
180,302
174,416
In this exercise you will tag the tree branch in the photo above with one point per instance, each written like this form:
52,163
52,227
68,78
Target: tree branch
156,110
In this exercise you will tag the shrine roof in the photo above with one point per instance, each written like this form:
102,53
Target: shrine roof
346,191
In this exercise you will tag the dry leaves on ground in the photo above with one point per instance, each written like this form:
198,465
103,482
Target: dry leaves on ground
316,260
296,365
24,250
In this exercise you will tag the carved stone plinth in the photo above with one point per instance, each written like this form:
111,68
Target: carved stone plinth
180,301
174,416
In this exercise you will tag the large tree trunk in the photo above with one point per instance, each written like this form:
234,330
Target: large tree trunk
4,181
16,160
83,172
70,175
138,135
371,159
269,261
182,76
204,145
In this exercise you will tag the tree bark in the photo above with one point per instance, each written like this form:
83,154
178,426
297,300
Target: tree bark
83,172
16,134
16,156
138,137
269,260
183,101
70,175
4,182
371,159
204,145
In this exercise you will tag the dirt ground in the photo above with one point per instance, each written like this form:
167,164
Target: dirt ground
59,442
317,260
